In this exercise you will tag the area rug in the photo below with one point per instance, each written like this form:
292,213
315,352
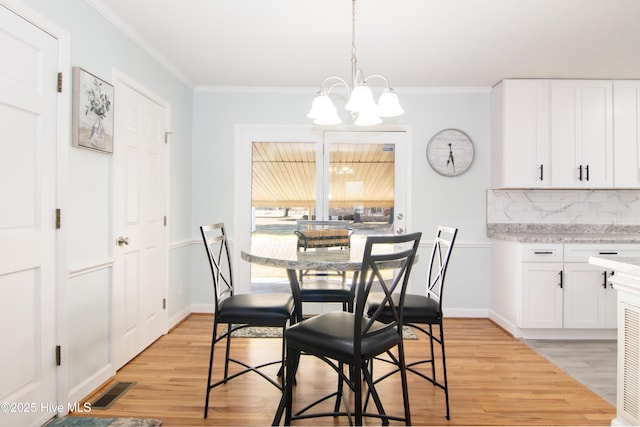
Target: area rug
276,332
102,422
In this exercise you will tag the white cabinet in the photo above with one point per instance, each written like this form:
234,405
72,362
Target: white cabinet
587,297
521,143
552,134
554,288
541,295
626,120
582,133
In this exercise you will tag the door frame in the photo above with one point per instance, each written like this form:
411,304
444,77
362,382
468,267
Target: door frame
63,124
247,134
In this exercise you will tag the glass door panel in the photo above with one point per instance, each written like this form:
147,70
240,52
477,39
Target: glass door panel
359,177
283,190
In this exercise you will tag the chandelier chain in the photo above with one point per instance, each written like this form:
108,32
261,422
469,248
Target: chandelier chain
354,60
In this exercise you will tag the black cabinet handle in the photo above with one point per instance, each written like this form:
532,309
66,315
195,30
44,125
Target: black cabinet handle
543,252
541,172
560,284
608,253
604,282
580,172
587,169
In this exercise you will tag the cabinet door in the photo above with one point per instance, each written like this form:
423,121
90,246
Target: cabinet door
541,295
526,158
626,142
581,133
585,296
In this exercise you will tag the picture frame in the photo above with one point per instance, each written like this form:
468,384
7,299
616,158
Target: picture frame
92,112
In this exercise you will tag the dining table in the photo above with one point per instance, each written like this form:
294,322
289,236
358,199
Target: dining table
294,261
291,259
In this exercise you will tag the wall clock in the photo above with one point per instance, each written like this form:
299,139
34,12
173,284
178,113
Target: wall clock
450,152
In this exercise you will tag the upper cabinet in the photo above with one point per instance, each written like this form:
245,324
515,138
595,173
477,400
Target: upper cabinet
582,133
626,119
520,132
560,134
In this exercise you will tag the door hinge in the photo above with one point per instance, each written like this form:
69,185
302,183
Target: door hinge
58,355
165,221
166,137
58,215
164,303
59,82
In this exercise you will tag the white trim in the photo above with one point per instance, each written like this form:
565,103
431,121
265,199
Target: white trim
183,243
107,12
480,313
179,316
312,90
107,263
89,385
203,308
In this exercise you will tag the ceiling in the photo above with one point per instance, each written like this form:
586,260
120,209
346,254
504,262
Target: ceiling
415,43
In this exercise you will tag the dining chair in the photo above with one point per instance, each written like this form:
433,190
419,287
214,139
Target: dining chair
239,311
423,311
342,338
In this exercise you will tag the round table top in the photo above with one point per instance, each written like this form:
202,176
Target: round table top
312,259
319,259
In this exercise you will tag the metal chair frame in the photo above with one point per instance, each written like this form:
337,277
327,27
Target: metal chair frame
370,336
438,264
221,270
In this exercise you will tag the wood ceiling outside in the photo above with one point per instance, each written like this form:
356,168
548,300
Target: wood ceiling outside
284,175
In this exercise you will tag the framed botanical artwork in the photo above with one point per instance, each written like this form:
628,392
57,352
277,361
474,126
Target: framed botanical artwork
92,112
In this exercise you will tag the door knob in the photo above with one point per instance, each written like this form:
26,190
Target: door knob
122,241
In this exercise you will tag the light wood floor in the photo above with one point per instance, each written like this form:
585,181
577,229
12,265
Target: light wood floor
494,380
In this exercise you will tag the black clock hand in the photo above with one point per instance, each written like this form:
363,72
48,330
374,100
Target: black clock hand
450,159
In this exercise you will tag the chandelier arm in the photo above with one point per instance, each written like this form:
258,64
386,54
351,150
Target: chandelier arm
380,76
340,81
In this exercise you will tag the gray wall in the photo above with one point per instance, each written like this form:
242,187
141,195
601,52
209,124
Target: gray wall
458,201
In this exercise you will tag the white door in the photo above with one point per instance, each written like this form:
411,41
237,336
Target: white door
140,232
28,117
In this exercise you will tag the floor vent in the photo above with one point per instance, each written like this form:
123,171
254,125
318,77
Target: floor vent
111,395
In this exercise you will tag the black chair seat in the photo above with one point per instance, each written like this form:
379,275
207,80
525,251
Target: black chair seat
257,309
417,309
325,291
332,334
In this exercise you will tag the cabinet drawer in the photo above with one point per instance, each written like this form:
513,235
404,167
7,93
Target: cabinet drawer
544,252
581,253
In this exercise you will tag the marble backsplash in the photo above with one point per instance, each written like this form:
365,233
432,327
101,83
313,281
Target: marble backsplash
578,207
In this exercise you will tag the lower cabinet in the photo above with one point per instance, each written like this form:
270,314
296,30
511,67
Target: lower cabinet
556,287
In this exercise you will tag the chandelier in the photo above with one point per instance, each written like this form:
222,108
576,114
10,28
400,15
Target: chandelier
361,104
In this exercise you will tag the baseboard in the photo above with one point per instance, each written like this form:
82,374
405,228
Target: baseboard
202,308
466,312
505,324
179,317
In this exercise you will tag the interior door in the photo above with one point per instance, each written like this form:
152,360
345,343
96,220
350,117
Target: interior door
140,243
28,117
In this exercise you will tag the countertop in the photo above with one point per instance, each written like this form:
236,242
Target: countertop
564,233
619,264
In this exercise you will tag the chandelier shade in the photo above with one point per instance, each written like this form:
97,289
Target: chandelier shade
361,104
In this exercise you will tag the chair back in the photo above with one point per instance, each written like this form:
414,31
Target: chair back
215,242
439,261
383,253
